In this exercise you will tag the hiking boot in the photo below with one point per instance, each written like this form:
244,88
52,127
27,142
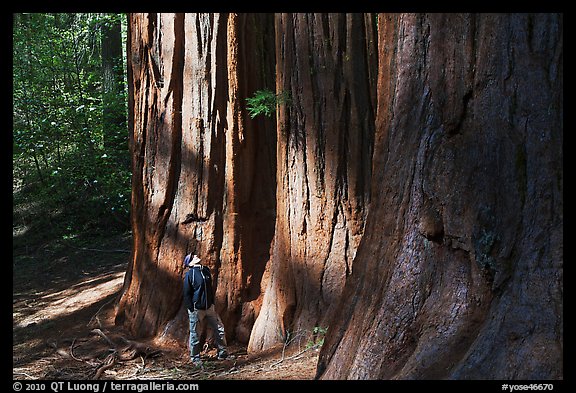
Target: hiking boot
222,355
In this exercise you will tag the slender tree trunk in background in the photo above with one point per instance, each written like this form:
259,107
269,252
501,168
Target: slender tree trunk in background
28,60
459,273
327,64
203,174
114,117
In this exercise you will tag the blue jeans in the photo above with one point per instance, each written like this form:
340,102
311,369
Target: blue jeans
198,318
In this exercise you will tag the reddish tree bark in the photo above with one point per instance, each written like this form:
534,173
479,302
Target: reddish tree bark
326,64
250,168
442,252
459,273
190,141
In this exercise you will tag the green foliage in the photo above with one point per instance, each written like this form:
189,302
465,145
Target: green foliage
320,330
318,334
62,141
265,102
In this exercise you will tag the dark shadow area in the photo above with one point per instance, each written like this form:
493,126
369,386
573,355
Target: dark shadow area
48,274
55,266
41,340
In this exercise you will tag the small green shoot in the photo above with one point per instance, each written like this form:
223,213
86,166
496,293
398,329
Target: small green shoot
265,102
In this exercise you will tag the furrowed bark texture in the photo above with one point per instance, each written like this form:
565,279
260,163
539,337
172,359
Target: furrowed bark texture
459,273
250,185
326,64
189,141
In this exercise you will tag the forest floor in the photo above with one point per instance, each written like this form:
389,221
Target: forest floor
63,323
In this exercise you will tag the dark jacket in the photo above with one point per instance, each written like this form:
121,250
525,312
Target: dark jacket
198,293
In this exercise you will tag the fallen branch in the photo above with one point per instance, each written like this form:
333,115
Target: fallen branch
70,354
98,312
108,363
105,337
295,355
286,343
26,375
72,351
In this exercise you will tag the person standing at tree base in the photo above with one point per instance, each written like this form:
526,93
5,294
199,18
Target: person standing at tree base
199,301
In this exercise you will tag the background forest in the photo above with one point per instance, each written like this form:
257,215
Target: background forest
71,165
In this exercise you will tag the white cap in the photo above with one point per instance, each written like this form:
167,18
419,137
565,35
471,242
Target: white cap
195,260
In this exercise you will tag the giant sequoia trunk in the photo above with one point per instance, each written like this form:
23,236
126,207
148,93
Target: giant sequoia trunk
459,272
440,258
203,174
326,64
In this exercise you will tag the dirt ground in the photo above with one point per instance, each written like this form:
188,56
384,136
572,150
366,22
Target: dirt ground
63,327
